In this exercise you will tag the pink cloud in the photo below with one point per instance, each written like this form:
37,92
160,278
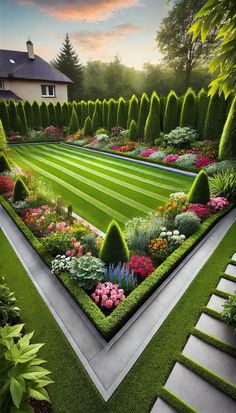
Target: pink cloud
81,10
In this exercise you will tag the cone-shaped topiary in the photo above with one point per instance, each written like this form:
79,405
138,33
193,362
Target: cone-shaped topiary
84,111
3,141
20,191
202,105
88,129
4,116
104,113
133,110
28,113
122,113
133,131
199,192
36,121
91,108
152,128
188,116
78,111
12,110
44,114
59,115
143,114
52,114
74,124
19,126
112,114
21,114
114,249
215,118
65,114
171,113
227,148
97,116
4,163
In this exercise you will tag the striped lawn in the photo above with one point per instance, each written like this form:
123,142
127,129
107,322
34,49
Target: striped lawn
99,187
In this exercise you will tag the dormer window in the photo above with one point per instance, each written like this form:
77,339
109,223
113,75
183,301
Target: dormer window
1,84
12,61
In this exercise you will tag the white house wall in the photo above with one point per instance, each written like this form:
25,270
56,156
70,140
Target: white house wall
31,90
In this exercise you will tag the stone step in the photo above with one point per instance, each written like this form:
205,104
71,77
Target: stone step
231,270
162,407
217,329
216,303
227,286
234,256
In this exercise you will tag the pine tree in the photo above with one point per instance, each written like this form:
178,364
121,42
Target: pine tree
88,129
4,163
36,121
114,249
171,115
215,118
52,114
188,116
227,148
59,115
65,113
91,108
97,116
122,113
28,113
143,114
20,191
153,128
44,115
202,105
3,141
12,115
112,114
199,192
21,114
74,123
4,116
133,131
104,113
133,110
84,111
68,63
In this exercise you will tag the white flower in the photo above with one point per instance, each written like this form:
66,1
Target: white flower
163,234
182,236
175,232
169,233
162,228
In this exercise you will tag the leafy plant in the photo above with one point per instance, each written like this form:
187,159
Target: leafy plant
229,312
158,155
87,271
223,184
222,166
57,242
186,160
187,223
61,263
8,305
181,137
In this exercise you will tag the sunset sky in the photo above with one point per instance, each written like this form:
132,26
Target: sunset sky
99,29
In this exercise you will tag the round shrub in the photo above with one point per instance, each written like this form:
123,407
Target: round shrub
187,223
186,160
87,271
158,155
20,191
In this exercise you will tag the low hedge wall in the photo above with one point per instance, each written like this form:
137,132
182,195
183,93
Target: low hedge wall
108,326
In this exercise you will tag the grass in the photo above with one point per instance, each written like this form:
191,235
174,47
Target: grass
73,391
100,188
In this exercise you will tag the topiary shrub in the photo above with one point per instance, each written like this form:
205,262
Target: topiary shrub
59,115
20,191
188,116
84,111
88,129
104,113
36,116
114,249
143,114
74,124
133,110
227,148
91,108
97,116
171,116
52,114
112,114
12,110
3,141
187,223
4,116
121,113
65,114
77,107
21,113
202,105
200,192
133,131
28,113
44,114
4,163
152,127
215,118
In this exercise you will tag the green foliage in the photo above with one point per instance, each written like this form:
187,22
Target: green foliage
78,111
4,163
57,243
112,114
28,113
74,123
114,249
133,131
105,113
88,129
8,305
21,113
215,118
3,141
187,223
87,271
229,312
122,113
224,184
200,192
180,137
132,111
188,116
140,231
36,120
91,108
44,114
20,191
65,113
152,128
52,114
59,115
227,148
143,114
202,106
12,110
97,116
84,111
4,116
171,116
19,126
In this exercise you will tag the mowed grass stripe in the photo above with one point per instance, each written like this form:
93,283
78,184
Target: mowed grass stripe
102,206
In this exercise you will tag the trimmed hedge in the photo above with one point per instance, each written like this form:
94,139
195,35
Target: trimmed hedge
171,116
3,140
188,116
36,116
65,114
133,131
215,118
133,110
202,105
52,114
227,148
59,115
105,113
143,114
88,129
28,113
4,116
44,114
12,110
97,116
153,128
21,114
112,114
74,123
122,113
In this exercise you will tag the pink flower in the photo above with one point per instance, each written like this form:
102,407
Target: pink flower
73,240
109,304
203,161
88,254
171,158
147,152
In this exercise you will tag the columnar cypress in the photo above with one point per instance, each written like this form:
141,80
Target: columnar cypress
143,114
28,113
227,148
88,129
78,111
202,105
70,107
122,113
215,118
19,126
133,110
114,249
12,115
52,114
133,131
97,116
112,114
59,115
188,116
37,121
91,108
104,113
199,192
74,123
84,111
3,141
153,128
4,116
163,100
171,115
21,114
65,114
44,114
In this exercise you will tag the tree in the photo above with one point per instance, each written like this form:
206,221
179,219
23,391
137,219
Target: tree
36,116
122,113
104,113
19,126
91,108
215,118
153,128
4,116
28,113
12,115
67,62
3,141
65,113
202,106
227,148
133,131
114,249
74,123
171,114
143,114
97,116
175,41
88,129
199,192
44,114
112,114
52,114
59,115
78,111
133,110
188,116
84,111
20,190
218,16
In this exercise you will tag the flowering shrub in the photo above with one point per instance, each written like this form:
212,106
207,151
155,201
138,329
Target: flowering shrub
206,148
186,160
177,203
165,244
87,271
61,264
115,147
16,138
202,211
180,137
76,249
6,184
39,220
121,275
171,158
203,161
158,155
116,132
53,131
108,295
218,203
141,266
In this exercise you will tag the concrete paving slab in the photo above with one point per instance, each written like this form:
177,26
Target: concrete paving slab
234,256
227,286
162,407
217,329
231,270
218,362
216,303
198,393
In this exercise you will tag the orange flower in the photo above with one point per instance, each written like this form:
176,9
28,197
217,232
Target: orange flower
184,208
161,208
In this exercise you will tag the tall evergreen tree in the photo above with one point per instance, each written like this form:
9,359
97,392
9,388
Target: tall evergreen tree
4,116
67,62
28,113
21,114
227,148
171,112
36,121
84,111
153,128
215,118
133,111
112,114
65,113
59,115
91,107
104,113
52,114
44,114
12,110
188,116
74,124
202,105
143,114
122,113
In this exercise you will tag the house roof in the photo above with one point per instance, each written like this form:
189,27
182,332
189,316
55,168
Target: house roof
28,69
8,94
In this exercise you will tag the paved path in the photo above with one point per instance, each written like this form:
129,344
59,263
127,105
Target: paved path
189,386
108,363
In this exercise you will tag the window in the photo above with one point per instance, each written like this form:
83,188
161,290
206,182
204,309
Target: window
48,91
12,61
1,84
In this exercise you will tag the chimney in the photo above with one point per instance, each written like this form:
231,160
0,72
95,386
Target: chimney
30,50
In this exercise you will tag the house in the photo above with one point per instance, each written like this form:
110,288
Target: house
24,75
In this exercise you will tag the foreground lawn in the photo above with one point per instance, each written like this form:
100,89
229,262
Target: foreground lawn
99,187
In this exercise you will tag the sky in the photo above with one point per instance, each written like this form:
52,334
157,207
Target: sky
99,29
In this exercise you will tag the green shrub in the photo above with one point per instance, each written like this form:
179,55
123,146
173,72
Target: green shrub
202,105
28,113
4,116
105,113
3,140
215,118
171,116
186,160
12,110
143,114
57,243
112,114
97,116
44,114
180,137
77,107
4,163
19,126
187,223
20,191
52,114
152,127
140,231
199,192
114,249
227,148
122,113
188,116
90,243
36,120
74,124
87,271
65,114
21,114
91,108
133,131
84,111
229,312
59,115
222,166
132,111
88,129
224,184
8,305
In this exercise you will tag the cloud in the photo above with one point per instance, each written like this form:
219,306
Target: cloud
81,10
98,41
